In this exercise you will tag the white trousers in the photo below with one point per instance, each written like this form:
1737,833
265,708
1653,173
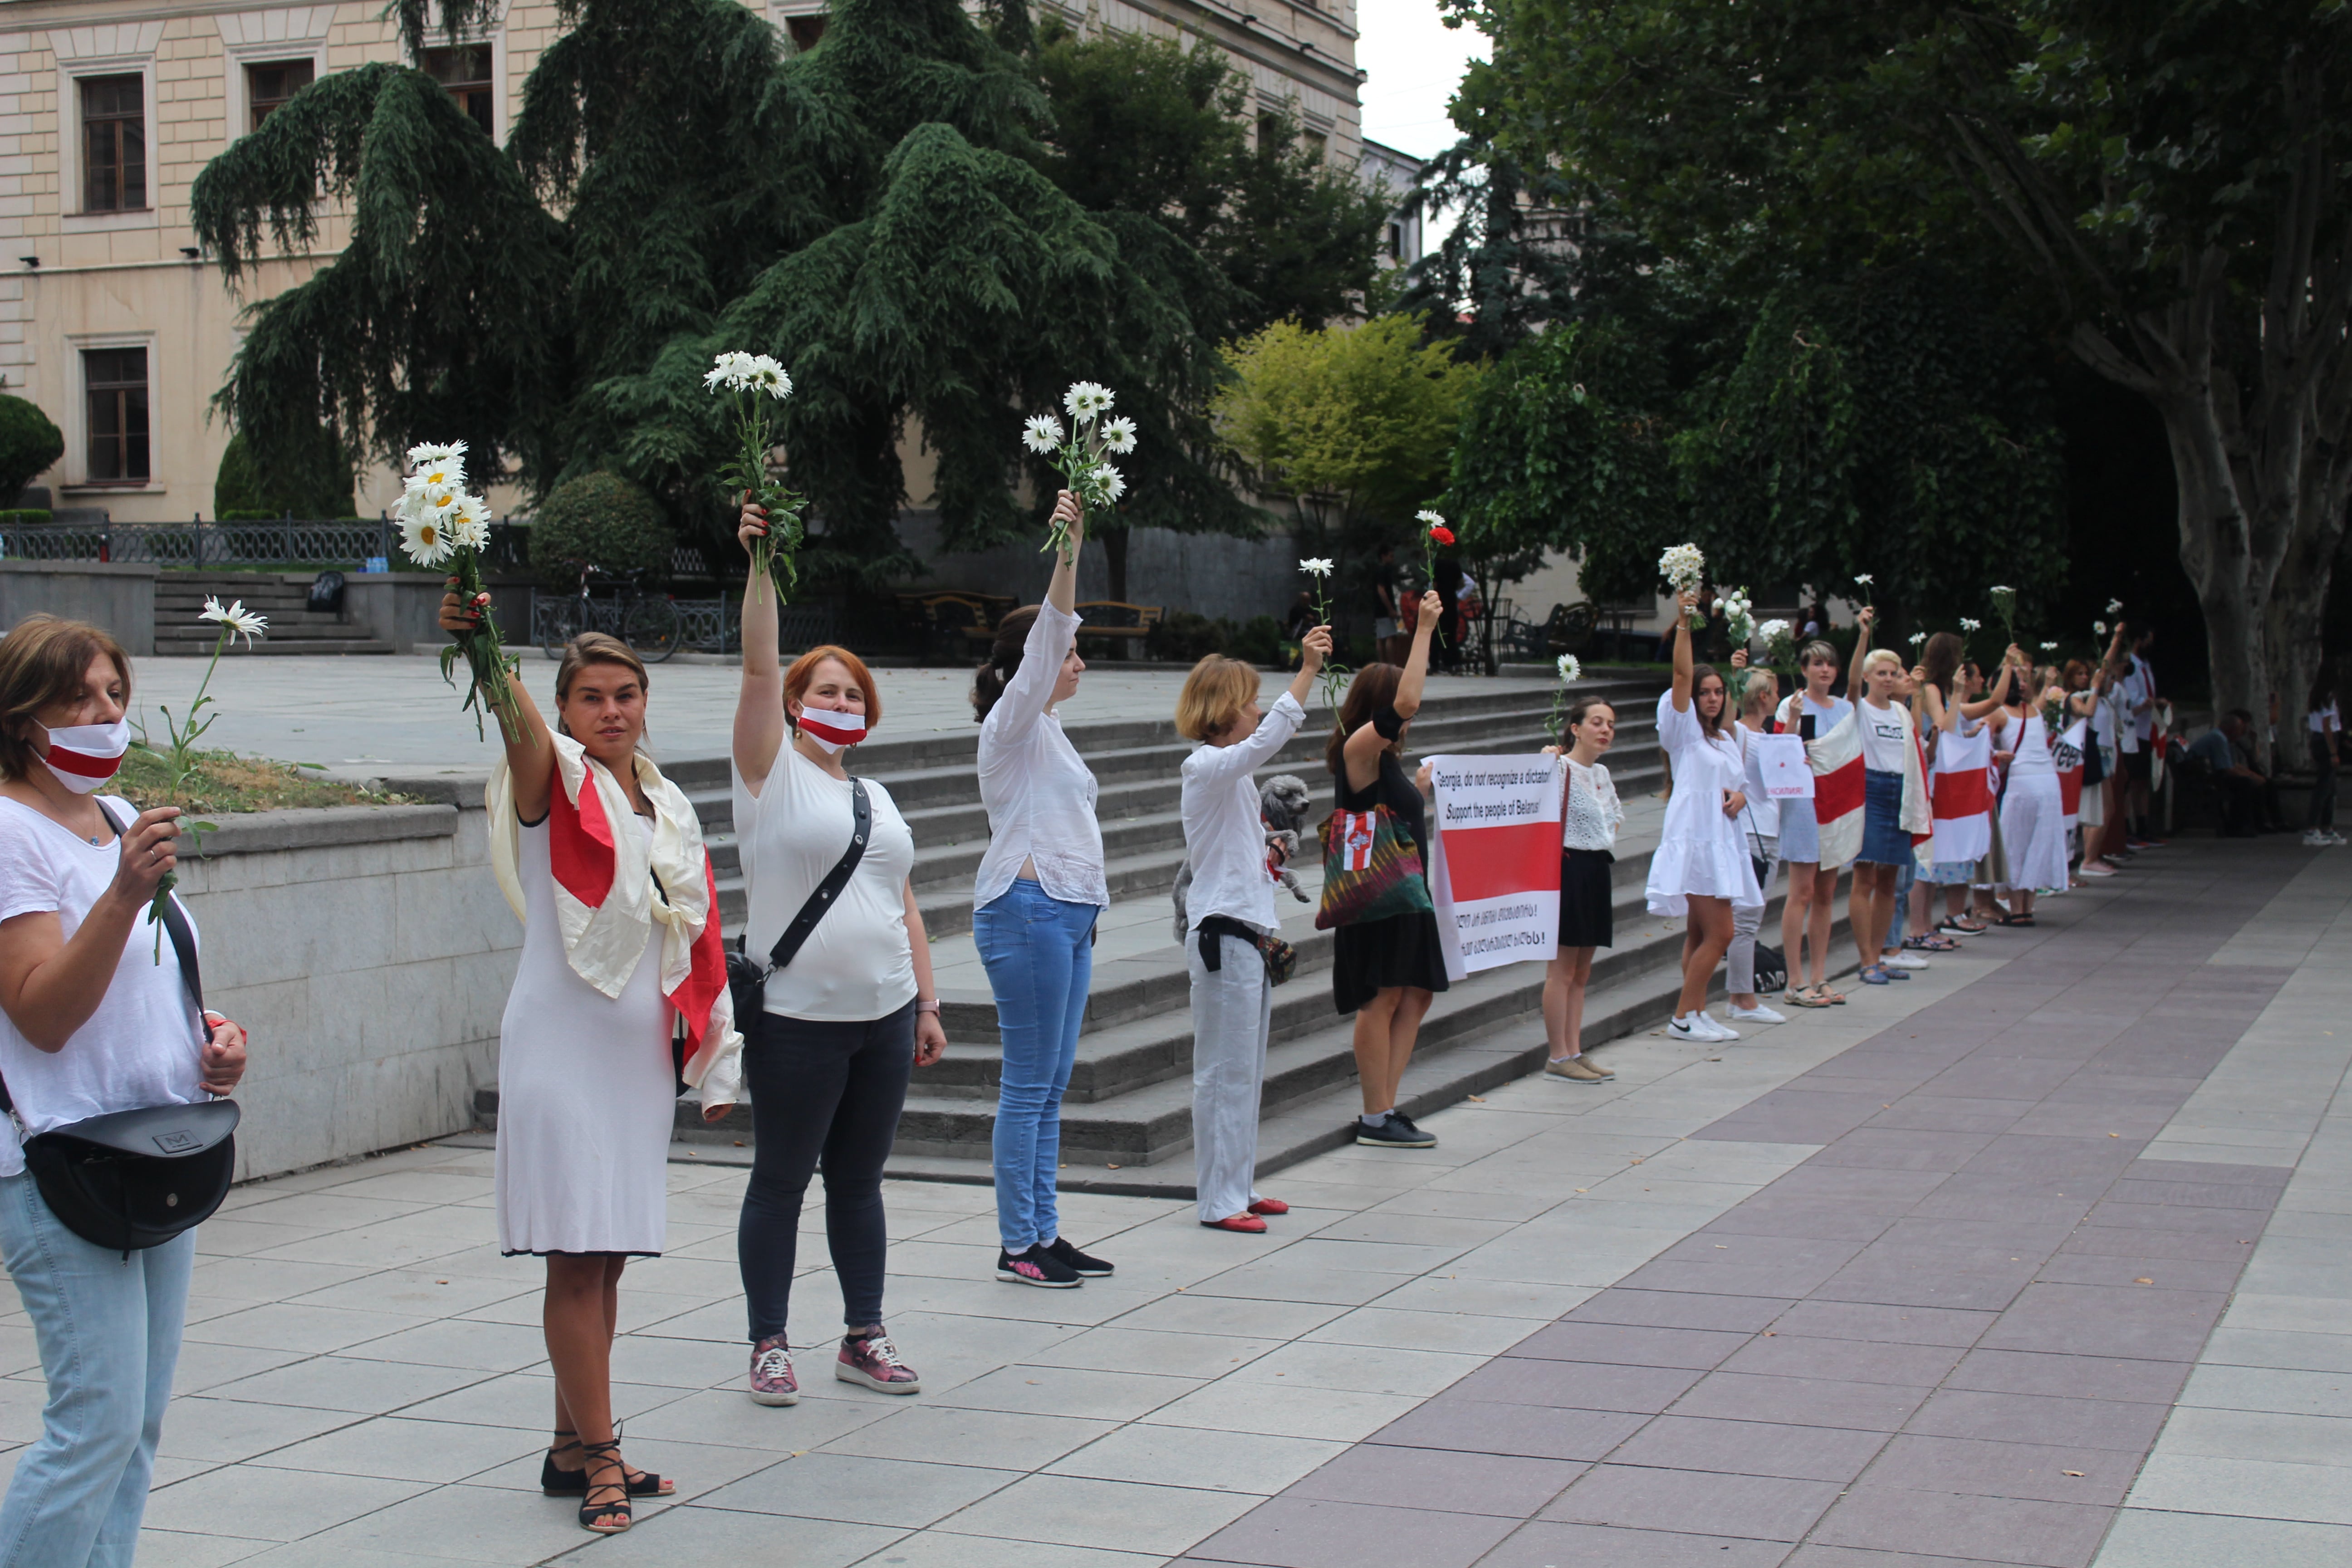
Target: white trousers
1232,1007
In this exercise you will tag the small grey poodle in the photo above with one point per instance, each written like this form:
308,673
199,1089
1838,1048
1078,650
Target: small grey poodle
1282,807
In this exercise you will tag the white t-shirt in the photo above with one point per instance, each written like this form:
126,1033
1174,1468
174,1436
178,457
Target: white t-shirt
1825,715
1762,817
142,1045
2323,720
857,964
2144,724
1883,736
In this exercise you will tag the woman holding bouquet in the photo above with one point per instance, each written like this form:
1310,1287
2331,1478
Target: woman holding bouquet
828,1056
1039,891
1701,868
1810,713
1387,971
601,857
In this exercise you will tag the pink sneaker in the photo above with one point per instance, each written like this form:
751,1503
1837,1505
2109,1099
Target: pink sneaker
772,1382
873,1360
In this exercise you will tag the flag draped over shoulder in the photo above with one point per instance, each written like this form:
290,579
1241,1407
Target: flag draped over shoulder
2070,774
1961,795
615,890
1839,789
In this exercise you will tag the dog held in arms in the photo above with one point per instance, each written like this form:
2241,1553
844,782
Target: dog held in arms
1282,807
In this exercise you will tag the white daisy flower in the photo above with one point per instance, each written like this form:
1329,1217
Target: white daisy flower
2099,628
1969,626
471,524
240,621
1114,484
1861,579
1569,669
2115,606
1429,519
1119,435
1041,432
435,452
1682,565
1918,637
2050,647
1315,567
1086,400
767,375
427,538
1997,592
731,370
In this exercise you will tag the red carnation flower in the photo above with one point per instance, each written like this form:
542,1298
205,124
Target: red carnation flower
1443,534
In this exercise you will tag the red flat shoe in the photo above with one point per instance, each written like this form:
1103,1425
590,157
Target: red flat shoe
1246,1223
1271,1208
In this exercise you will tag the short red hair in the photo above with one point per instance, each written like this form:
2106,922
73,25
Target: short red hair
803,671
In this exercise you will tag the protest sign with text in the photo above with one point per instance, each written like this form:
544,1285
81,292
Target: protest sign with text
1494,869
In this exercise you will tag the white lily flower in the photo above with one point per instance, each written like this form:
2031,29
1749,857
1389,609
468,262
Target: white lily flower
1315,567
1119,435
1087,401
1569,669
240,621
1041,432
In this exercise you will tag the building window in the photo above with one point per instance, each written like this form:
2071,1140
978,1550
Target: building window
114,143
115,383
804,32
1396,241
465,71
266,87
1313,142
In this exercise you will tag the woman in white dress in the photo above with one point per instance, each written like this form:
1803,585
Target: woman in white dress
602,859
2032,812
1700,868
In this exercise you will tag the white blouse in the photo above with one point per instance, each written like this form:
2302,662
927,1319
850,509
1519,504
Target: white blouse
1039,794
1590,818
1224,832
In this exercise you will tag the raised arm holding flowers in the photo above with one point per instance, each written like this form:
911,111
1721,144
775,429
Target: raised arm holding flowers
753,382
1081,456
442,525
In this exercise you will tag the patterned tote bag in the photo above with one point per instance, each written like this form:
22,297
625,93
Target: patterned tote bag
1372,870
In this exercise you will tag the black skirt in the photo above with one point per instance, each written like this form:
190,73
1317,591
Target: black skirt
1403,949
1585,897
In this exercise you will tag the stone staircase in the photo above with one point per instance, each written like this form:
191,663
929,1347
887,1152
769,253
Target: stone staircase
1127,1119
280,595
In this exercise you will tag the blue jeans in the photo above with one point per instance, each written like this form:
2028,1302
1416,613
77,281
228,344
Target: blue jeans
109,1331
1907,872
1039,953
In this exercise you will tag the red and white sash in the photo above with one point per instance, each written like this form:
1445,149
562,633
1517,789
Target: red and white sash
1961,795
614,891
2070,779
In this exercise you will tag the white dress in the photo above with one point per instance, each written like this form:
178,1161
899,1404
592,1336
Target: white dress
2032,811
587,1093
1700,850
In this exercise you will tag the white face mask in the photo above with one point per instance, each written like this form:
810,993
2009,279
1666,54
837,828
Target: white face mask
84,756
831,730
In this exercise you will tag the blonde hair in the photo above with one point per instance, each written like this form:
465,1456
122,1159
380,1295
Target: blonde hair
1760,691
1879,656
1214,694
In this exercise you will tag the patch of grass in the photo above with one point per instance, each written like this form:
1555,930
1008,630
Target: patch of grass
225,782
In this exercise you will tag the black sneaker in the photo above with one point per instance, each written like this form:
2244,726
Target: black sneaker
1395,1133
1075,1261
1035,1266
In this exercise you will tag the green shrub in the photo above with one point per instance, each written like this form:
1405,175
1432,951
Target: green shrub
21,518
1258,640
601,519
316,483
29,444
1183,637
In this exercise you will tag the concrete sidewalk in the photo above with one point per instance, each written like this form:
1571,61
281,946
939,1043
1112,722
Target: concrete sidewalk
1393,1375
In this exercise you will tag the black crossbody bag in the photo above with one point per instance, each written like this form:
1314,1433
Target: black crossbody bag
747,977
135,1179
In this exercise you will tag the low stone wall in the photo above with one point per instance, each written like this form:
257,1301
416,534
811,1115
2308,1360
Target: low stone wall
118,595
369,954
404,609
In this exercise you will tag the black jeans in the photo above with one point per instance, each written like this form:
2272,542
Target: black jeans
2321,813
821,1090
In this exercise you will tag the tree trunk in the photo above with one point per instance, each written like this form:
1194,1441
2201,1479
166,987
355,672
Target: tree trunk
2216,551
1114,545
2298,600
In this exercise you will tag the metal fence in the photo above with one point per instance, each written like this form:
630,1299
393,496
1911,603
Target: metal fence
706,626
194,544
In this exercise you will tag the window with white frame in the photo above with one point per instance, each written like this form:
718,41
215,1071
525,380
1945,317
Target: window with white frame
267,85
113,142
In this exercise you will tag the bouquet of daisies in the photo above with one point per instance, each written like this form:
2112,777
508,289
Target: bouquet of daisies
1081,455
1570,671
1685,568
1320,567
753,382
444,527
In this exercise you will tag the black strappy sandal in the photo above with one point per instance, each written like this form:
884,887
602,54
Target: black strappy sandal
605,1517
556,1482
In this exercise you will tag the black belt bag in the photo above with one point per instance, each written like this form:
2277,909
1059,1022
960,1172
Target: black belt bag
1280,958
747,977
134,1179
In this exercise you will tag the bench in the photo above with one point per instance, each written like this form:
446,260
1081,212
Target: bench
1111,618
955,625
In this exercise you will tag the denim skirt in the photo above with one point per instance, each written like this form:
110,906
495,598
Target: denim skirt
1884,842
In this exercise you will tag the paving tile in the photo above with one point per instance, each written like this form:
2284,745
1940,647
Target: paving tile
861,1490
1751,1447
2003,1418
1295,1531
1587,1385
1070,1511
2090,1319
2049,1534
2016,1468
1575,1339
1681,1310
930,1432
1892,1325
1543,1545
1535,1431
2258,1489
1067,1391
1506,1485
1284,1410
2069,1377
1765,1507
2146,1538
1252,1462
1787,1354
257,1504
1803,1401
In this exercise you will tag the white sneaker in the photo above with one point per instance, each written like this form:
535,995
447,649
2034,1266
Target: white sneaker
1903,961
1759,1014
1694,1027
2334,837
1723,1031
2314,839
